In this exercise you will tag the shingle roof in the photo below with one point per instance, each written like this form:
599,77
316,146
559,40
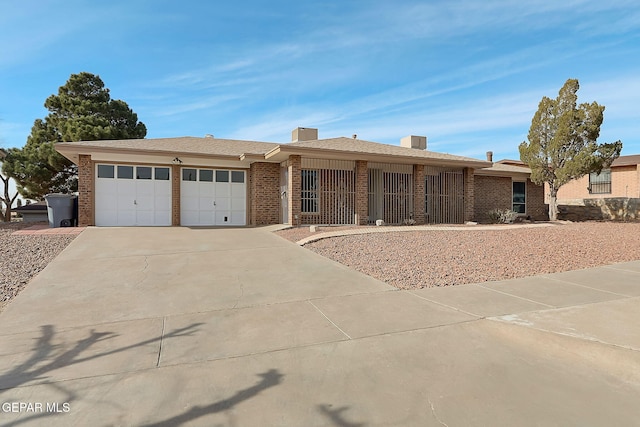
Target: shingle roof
633,159
367,147
185,144
503,167
210,146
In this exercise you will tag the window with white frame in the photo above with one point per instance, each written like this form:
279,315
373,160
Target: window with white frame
600,183
309,191
519,199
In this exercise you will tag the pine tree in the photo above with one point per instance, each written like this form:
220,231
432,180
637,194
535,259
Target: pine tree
81,111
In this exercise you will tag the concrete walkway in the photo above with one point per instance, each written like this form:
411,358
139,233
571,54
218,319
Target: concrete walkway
239,327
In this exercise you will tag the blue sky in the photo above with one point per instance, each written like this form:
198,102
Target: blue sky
467,73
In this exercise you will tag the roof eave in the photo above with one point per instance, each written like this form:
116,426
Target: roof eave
72,151
282,152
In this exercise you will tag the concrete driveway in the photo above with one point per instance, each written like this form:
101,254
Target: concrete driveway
238,327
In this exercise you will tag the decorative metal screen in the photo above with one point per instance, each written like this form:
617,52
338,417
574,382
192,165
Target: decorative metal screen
600,183
328,192
444,196
390,193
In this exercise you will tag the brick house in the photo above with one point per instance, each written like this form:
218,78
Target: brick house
216,182
612,194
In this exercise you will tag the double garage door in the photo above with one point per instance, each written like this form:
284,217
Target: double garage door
129,195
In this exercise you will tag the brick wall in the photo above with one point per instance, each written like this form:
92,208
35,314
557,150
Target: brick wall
469,194
491,192
625,182
175,195
295,189
85,191
536,207
362,192
496,192
265,203
418,194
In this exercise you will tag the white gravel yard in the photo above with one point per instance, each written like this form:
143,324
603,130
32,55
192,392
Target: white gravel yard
417,259
22,257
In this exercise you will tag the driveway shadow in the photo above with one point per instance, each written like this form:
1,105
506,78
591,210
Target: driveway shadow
269,379
44,359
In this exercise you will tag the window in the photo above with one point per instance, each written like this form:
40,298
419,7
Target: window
143,172
105,171
206,175
309,191
222,176
188,174
519,197
162,174
125,172
600,183
237,176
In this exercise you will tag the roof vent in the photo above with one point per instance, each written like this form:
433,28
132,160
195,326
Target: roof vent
304,134
489,156
355,136
413,141
208,135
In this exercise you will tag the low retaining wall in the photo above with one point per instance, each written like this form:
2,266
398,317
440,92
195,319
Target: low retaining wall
614,208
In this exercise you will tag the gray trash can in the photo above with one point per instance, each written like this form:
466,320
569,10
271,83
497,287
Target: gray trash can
60,209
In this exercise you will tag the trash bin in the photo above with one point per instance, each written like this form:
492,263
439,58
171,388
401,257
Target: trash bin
60,209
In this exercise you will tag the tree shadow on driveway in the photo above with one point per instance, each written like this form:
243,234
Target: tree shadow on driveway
44,359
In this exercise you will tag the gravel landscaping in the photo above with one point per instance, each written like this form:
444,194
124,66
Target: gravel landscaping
22,257
418,259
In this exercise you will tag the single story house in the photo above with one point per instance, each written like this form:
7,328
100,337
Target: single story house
210,181
33,212
612,194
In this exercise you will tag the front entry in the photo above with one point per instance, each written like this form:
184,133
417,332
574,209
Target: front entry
213,197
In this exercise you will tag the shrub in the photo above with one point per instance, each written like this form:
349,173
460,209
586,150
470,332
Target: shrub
502,216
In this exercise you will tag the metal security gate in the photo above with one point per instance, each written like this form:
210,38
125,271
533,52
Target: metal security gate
390,193
444,195
328,192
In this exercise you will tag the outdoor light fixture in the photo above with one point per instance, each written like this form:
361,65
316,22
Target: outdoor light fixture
177,161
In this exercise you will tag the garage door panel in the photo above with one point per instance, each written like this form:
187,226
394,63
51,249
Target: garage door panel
162,217
222,189
162,202
223,204
223,217
238,191
238,217
126,217
238,204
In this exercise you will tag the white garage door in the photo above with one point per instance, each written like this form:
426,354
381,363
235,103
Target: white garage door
132,195
213,197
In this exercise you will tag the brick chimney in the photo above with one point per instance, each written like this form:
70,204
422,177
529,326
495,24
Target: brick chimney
304,134
413,141
490,156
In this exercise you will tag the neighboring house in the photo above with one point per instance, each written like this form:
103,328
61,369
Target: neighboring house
612,194
34,212
210,182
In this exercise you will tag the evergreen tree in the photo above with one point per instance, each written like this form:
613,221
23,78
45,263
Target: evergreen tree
562,142
81,111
